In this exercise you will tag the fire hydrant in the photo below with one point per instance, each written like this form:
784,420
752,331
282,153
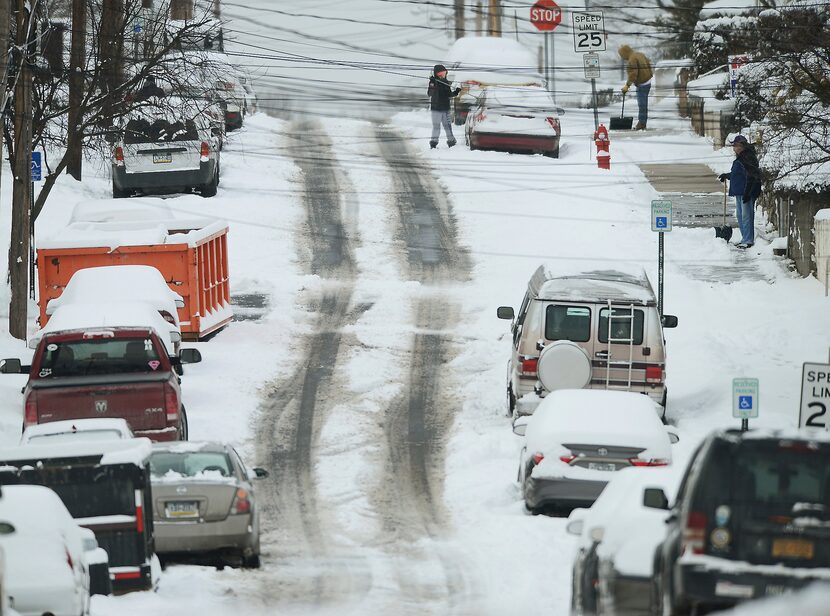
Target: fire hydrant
603,147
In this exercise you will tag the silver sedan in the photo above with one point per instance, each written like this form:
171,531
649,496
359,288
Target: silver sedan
204,503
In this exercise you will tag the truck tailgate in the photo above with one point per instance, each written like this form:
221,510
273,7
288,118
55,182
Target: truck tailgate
137,398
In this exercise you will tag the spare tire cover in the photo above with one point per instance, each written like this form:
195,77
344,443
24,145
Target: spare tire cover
564,365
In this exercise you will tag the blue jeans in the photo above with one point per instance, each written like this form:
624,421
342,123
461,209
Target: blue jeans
642,103
745,213
439,118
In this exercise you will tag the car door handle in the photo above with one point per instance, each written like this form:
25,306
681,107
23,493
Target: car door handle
601,354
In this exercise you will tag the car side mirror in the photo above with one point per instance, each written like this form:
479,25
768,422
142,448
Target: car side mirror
655,498
190,356
673,437
260,473
11,366
520,426
574,527
505,312
669,321
560,111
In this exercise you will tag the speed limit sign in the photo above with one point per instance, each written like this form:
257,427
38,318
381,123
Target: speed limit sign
589,31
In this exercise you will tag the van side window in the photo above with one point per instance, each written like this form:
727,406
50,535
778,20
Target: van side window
567,323
621,325
520,319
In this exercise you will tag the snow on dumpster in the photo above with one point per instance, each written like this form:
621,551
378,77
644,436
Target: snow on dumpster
190,253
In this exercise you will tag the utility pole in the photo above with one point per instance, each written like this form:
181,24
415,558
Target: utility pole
77,64
217,9
5,22
181,9
112,52
459,19
479,18
494,26
21,190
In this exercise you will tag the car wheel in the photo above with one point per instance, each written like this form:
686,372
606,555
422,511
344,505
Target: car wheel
185,432
511,401
251,562
663,404
210,189
118,193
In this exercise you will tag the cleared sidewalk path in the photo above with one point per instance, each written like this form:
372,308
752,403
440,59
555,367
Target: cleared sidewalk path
697,201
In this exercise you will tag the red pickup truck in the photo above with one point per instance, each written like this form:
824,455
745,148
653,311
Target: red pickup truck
106,372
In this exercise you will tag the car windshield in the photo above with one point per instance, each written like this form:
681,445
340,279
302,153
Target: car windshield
190,464
86,435
771,478
99,356
139,130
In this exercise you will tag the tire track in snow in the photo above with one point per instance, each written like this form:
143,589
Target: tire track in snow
410,495
293,410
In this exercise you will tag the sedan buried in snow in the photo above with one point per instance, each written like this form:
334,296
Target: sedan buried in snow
514,119
577,439
204,504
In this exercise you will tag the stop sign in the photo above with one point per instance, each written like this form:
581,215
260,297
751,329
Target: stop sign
545,15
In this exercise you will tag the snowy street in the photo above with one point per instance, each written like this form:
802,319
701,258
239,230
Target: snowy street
365,368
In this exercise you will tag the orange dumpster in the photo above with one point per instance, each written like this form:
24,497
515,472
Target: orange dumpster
192,255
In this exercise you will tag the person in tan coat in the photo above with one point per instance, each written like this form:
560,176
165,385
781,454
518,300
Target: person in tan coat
639,74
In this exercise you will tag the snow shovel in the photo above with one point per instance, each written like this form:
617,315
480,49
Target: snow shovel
622,123
724,231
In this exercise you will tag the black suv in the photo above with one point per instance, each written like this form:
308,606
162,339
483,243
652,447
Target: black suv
751,519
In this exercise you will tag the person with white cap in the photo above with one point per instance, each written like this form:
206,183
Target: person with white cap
745,186
440,92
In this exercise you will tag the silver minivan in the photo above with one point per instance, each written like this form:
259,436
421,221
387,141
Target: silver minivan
596,329
164,154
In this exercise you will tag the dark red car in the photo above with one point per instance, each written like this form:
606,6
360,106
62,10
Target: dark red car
106,372
514,119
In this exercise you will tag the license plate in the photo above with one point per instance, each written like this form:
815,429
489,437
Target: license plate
793,548
181,509
596,466
162,158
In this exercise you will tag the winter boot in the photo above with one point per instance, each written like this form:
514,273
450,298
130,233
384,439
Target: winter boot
433,144
451,142
640,126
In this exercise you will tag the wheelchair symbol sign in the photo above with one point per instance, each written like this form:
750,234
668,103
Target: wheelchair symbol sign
661,222
37,168
745,402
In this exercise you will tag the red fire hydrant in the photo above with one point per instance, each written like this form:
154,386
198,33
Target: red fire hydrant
603,147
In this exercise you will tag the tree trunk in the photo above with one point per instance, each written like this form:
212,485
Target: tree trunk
181,9
494,25
21,193
76,88
459,18
5,20
112,52
217,9
479,18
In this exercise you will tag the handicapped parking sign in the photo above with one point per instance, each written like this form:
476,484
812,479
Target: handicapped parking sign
745,398
37,168
661,215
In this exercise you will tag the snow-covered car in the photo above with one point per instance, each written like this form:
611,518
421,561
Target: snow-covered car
96,428
123,283
617,538
477,62
514,119
597,329
579,438
44,550
204,504
750,520
244,78
167,149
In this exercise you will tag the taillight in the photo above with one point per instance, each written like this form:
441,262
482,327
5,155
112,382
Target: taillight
205,152
537,458
554,123
30,410
171,403
69,559
241,502
694,533
651,462
167,317
119,156
481,116
529,365
654,374
139,512
567,459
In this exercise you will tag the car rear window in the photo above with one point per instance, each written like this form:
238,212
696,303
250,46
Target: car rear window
769,478
74,437
567,323
189,464
139,130
621,326
99,356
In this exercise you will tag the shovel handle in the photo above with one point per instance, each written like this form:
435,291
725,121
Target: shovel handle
622,111
724,203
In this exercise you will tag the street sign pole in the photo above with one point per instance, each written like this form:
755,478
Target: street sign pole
546,16
660,275
547,61
596,112
552,68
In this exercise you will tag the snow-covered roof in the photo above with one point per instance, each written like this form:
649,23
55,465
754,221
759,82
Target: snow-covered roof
103,315
119,283
611,418
728,7
617,285
496,60
104,425
124,451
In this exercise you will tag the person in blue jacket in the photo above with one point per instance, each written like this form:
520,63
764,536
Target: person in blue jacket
745,186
